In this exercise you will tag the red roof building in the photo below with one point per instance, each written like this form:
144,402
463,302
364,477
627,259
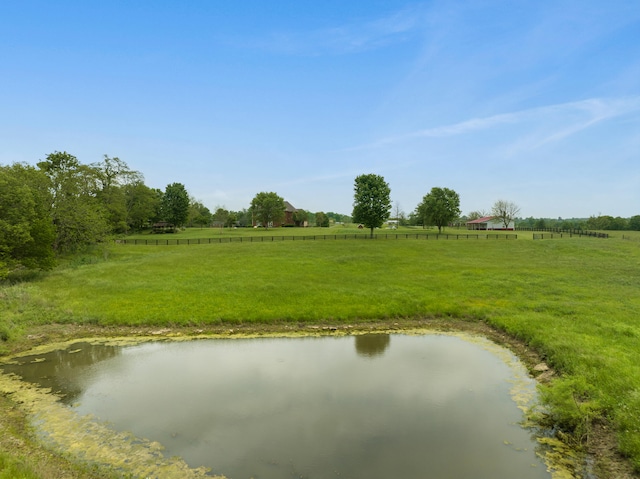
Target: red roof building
488,223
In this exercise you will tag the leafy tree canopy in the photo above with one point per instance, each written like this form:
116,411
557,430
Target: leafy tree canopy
143,205
79,216
439,207
175,204
371,201
268,208
322,219
26,230
300,216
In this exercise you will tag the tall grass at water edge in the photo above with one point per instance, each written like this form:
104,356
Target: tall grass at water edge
575,300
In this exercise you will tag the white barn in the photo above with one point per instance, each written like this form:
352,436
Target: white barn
488,223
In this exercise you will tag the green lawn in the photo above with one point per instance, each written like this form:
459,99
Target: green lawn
576,300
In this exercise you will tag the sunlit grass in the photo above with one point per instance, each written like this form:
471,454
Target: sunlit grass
576,300
13,468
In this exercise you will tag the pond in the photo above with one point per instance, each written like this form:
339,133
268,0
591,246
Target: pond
374,406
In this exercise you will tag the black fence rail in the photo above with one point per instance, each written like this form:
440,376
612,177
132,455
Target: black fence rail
274,238
631,238
538,236
569,232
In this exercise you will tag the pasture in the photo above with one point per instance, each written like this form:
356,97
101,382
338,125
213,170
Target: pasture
573,299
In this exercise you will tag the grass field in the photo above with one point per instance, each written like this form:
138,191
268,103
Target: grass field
575,300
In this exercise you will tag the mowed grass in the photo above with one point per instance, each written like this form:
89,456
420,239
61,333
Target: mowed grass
576,300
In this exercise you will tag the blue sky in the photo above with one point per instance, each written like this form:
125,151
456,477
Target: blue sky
535,102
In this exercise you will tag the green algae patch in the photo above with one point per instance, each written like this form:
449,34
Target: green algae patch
83,439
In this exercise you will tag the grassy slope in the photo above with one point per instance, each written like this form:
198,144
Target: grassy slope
576,300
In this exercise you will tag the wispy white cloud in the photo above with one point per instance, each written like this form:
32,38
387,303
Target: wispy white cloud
553,122
594,111
347,38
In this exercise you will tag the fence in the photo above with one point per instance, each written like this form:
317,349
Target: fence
631,238
273,238
570,232
547,235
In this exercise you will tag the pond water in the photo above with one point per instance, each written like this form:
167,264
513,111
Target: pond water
374,406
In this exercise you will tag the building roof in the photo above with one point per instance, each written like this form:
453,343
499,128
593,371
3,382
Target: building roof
289,207
484,219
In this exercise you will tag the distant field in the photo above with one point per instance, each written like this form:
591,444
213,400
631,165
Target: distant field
576,300
279,233
237,232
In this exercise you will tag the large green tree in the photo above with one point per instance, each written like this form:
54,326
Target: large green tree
175,204
439,207
371,201
26,230
79,217
268,208
113,175
143,205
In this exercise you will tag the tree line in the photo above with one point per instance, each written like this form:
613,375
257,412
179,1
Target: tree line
60,206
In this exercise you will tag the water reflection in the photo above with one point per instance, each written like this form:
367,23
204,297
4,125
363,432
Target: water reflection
62,370
431,406
371,345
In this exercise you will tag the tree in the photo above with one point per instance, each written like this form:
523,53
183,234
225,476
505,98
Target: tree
439,207
634,223
398,214
620,224
505,211
607,222
232,219
221,217
322,219
242,217
267,208
300,217
371,202
540,224
78,215
474,215
199,214
175,204
143,205
26,230
338,218
112,176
